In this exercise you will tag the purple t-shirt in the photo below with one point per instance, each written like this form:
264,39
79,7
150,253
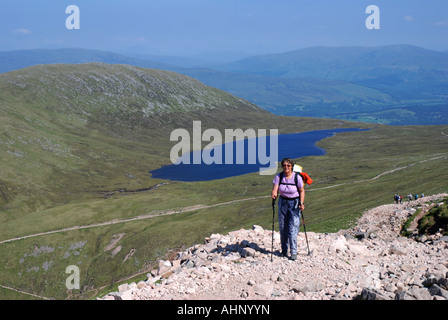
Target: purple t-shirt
286,190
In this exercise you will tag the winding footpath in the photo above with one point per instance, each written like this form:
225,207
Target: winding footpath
200,206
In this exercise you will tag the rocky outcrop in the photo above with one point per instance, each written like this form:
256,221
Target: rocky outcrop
370,261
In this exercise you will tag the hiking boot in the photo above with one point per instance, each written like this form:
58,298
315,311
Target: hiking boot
293,257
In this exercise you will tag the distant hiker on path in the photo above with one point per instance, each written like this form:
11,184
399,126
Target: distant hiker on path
289,185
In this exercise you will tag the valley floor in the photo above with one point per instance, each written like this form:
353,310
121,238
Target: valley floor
197,207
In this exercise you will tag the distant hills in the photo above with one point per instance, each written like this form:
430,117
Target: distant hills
397,84
346,63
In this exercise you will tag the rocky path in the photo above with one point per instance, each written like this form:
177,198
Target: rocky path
370,261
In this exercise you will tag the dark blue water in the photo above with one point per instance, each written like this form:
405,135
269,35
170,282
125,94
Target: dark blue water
294,146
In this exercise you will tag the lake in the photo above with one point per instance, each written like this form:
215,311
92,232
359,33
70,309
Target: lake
294,146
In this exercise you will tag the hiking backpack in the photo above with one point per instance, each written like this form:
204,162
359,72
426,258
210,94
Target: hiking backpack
305,177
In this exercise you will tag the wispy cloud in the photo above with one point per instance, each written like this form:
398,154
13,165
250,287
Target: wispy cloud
442,23
22,31
136,39
408,18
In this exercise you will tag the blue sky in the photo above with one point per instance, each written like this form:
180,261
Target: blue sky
188,27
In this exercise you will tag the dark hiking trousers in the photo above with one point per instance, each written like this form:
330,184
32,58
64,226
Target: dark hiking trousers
289,222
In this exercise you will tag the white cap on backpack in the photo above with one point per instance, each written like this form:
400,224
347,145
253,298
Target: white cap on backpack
297,168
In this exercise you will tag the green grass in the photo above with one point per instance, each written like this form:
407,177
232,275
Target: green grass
328,210
435,220
61,169
431,222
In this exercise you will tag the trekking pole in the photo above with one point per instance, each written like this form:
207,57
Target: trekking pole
306,237
273,219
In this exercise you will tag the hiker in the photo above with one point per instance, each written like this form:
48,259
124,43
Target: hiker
290,205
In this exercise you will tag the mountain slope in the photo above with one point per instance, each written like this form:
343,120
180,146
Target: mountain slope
98,89
345,63
339,266
77,143
397,84
415,72
271,93
74,128
277,93
413,79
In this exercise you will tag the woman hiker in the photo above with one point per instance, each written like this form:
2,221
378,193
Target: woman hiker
290,205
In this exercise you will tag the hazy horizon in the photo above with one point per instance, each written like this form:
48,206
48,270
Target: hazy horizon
234,27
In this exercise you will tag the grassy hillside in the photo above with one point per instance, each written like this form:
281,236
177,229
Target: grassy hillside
96,128
302,96
77,146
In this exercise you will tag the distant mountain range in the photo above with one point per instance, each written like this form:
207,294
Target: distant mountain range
397,84
13,60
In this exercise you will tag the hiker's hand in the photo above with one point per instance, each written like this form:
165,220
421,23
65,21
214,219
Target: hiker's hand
302,206
274,195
